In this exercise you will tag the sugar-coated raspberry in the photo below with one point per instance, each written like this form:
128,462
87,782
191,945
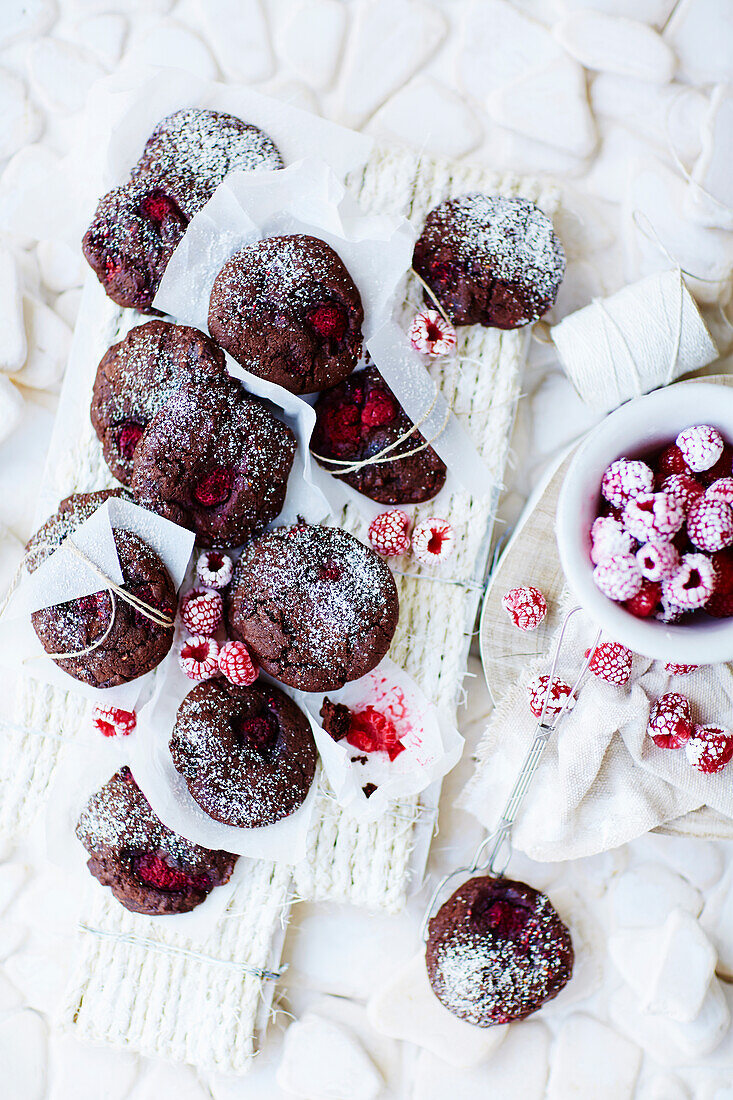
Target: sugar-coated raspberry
722,468
432,334
701,446
710,524
214,569
684,487
653,517
671,461
722,489
692,585
710,748
199,657
432,540
526,605
646,601
560,694
609,539
680,670
658,561
611,661
670,721
236,664
668,611
389,533
626,478
201,611
113,722
619,578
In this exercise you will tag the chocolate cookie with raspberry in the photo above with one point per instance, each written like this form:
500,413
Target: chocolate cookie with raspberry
137,227
247,753
149,868
137,376
70,514
360,417
192,150
496,951
490,260
134,233
214,459
314,606
124,642
287,310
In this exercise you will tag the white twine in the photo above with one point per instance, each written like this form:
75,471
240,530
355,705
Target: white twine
156,616
168,949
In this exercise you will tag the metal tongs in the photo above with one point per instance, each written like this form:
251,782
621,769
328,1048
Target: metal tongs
495,850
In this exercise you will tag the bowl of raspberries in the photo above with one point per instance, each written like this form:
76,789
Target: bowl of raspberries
645,524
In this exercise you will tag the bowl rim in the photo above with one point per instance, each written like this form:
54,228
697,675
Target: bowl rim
682,404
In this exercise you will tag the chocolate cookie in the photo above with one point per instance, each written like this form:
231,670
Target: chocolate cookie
194,149
215,460
137,226
316,607
490,260
133,235
359,418
148,867
246,753
134,644
137,376
496,951
287,309
70,514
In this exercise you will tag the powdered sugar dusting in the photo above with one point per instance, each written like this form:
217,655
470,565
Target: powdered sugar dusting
192,151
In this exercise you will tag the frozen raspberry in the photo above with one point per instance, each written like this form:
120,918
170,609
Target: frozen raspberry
389,533
216,487
433,540
611,661
609,539
236,663
722,489
710,524
559,694
646,601
201,611
679,670
671,461
372,731
625,479
526,605
670,721
722,468
701,446
113,722
199,657
214,569
710,748
720,604
653,517
657,562
693,583
684,487
329,319
668,611
619,578
431,333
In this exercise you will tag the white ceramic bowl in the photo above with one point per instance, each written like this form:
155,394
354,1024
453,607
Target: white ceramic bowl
643,425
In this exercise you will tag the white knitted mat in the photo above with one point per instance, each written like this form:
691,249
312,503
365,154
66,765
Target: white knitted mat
151,992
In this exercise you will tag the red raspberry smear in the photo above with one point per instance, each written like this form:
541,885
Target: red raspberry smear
154,870
216,487
128,438
329,320
372,731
